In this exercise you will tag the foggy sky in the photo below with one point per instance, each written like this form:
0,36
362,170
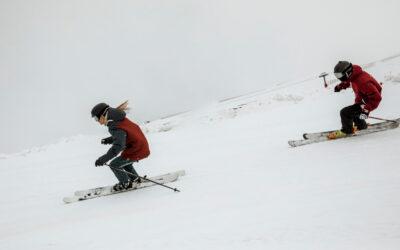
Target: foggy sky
60,58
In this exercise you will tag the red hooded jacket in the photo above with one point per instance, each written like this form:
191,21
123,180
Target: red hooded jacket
366,88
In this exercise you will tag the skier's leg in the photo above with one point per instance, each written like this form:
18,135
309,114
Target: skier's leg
120,163
129,168
348,115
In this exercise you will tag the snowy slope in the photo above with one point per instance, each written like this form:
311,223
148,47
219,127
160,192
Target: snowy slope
245,188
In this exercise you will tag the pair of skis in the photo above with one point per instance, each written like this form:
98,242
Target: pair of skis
310,138
91,193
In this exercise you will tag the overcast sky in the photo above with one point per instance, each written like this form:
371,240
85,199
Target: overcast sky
60,58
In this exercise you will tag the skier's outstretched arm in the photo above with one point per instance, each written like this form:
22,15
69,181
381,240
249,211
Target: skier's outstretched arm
119,139
341,86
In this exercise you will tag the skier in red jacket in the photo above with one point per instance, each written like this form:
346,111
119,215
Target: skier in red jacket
126,137
368,97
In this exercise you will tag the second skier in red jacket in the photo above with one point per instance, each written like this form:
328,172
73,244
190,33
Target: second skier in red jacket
368,97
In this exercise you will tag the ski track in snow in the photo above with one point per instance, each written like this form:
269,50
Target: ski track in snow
244,188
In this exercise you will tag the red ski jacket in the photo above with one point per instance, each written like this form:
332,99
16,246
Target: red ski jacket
137,147
366,88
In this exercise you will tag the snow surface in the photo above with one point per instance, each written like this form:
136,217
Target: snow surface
244,188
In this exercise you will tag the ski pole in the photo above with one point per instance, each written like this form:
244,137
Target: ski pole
144,178
381,119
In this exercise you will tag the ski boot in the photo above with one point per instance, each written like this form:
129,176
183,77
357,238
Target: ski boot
136,180
121,186
337,134
357,128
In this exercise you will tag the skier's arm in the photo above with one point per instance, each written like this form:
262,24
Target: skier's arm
343,85
119,140
374,98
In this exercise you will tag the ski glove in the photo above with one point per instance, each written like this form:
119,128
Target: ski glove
107,140
337,89
99,163
363,116
364,112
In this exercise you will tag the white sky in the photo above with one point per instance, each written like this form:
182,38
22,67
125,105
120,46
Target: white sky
59,58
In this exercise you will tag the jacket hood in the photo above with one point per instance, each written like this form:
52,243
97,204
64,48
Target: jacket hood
357,70
115,115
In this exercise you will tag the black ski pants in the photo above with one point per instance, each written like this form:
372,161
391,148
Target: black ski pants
350,115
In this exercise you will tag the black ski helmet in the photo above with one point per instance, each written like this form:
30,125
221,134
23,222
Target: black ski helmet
98,110
343,70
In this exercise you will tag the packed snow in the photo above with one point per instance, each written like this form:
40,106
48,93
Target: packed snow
244,187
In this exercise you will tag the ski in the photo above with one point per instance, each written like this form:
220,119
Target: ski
87,194
369,130
155,178
326,133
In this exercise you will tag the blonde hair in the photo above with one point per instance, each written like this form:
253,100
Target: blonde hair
124,107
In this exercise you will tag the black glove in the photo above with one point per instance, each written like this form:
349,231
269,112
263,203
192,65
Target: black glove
337,89
99,163
107,140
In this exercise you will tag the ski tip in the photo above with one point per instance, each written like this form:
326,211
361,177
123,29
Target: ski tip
181,172
67,200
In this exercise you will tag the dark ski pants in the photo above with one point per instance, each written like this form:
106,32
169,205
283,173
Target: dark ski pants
122,164
350,115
